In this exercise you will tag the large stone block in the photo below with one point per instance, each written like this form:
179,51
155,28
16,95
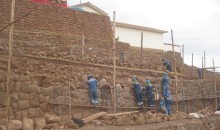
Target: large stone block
40,123
42,98
23,105
51,118
26,87
45,107
14,97
2,87
35,112
14,125
23,96
3,97
14,107
33,100
28,124
17,87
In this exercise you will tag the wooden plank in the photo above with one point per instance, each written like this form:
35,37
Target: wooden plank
122,113
172,44
93,117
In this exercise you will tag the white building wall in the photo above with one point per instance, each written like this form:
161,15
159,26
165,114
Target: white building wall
88,9
133,36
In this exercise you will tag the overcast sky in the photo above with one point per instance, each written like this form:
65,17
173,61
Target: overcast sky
195,23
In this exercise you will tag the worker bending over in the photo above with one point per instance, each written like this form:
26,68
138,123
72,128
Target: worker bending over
149,89
167,64
92,84
138,91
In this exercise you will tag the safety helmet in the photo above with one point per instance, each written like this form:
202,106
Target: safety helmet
89,77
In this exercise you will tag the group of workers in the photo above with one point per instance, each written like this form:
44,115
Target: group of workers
147,90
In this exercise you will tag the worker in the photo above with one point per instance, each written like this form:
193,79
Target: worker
167,64
92,84
138,91
162,106
199,71
168,102
149,89
165,83
166,93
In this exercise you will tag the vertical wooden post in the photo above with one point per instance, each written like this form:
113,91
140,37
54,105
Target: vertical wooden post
11,33
214,79
202,67
182,58
114,67
83,45
141,49
69,103
174,57
192,65
203,72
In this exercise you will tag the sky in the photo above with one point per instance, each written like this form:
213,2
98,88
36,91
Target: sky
195,23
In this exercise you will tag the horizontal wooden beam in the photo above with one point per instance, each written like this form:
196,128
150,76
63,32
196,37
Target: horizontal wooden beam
171,44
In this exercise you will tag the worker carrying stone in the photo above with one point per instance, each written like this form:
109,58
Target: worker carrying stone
138,91
166,93
167,64
149,92
92,84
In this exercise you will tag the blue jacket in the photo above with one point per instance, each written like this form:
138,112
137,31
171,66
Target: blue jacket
92,85
165,80
137,87
149,89
166,62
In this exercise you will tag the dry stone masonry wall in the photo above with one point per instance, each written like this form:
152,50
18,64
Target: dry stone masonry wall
49,71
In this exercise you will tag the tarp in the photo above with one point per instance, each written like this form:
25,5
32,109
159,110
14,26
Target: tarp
49,3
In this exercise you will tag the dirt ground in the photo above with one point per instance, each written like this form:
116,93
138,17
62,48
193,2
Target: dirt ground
185,124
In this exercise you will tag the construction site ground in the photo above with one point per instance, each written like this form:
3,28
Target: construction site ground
184,124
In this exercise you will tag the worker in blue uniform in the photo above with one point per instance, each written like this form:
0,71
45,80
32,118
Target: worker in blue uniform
138,91
166,93
92,84
149,91
167,64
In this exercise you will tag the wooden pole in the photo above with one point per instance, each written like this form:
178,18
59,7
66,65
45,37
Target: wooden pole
69,103
174,57
204,59
214,80
202,67
83,45
141,49
182,58
11,33
114,64
14,21
192,64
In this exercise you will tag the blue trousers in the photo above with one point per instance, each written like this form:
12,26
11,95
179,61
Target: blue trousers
169,68
94,97
168,104
139,98
151,101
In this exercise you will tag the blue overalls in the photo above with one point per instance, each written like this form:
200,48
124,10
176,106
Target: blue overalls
166,93
138,92
149,89
167,64
92,86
